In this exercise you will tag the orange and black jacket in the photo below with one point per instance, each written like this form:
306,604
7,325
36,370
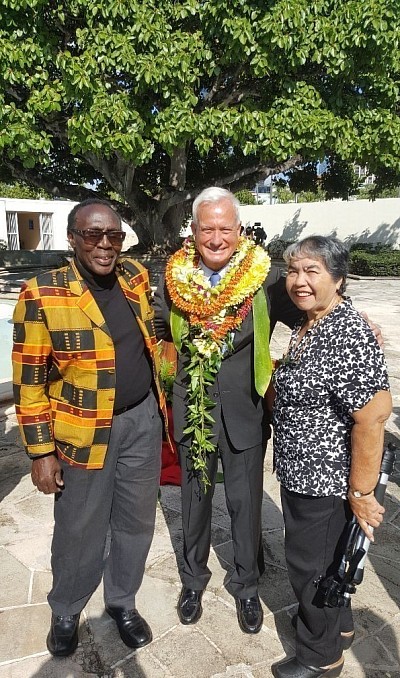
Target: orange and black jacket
64,362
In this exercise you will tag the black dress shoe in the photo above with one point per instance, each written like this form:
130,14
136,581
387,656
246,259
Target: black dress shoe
292,668
62,639
133,629
347,640
189,606
250,614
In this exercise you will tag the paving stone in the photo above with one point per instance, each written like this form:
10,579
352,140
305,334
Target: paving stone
24,631
15,580
214,647
41,585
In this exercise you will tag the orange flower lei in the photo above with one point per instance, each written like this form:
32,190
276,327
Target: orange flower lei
211,315
221,309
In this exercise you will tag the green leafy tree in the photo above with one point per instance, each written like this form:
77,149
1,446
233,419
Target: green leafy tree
339,180
246,197
284,194
151,101
21,191
370,193
304,179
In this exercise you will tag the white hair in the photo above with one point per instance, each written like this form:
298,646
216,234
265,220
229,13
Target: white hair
214,194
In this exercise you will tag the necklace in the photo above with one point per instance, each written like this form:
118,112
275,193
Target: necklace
296,348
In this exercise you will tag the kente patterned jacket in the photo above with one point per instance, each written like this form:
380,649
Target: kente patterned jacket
64,362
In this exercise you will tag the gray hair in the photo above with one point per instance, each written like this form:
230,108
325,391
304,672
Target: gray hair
214,194
329,250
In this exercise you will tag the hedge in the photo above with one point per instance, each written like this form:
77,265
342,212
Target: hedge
375,259
379,264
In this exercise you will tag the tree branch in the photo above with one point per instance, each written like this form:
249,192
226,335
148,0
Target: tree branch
55,188
235,180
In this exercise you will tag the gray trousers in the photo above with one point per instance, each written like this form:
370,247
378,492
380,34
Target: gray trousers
243,480
122,497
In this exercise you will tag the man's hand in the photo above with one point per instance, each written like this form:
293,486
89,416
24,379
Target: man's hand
375,328
368,512
46,474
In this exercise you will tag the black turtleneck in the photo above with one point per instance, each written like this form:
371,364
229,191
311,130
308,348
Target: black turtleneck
132,366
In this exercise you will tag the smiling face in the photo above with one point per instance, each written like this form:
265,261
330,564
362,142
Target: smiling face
216,233
99,259
310,286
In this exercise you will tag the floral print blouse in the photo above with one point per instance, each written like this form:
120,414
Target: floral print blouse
335,369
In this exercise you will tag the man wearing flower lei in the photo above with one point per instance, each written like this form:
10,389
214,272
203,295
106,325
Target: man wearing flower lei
221,332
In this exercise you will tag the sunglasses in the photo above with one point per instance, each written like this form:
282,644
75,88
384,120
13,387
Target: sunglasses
92,236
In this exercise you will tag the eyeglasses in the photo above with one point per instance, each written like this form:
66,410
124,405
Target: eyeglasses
92,236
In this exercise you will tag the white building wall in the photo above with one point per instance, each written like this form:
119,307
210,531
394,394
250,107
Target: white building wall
59,209
351,221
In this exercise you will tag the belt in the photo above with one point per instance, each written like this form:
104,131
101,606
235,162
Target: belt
126,408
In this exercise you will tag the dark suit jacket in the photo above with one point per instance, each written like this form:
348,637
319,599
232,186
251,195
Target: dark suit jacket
237,401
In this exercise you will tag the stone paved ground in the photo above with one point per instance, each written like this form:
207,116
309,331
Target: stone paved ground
215,647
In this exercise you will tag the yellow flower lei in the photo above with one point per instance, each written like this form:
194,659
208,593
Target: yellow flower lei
209,316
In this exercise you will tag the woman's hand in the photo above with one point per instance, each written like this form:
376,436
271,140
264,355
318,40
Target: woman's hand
367,438
375,329
368,511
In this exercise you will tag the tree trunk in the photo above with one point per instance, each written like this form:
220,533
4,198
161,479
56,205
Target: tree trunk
174,220
159,229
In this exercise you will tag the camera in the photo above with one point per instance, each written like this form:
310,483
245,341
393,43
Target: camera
336,589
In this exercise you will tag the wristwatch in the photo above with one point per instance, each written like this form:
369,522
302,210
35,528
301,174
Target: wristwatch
357,494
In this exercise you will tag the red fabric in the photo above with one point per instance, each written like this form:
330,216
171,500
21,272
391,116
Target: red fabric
170,469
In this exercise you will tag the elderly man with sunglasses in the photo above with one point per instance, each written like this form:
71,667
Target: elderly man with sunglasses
88,401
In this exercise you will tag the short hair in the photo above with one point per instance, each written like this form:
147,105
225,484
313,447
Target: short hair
214,194
331,251
71,220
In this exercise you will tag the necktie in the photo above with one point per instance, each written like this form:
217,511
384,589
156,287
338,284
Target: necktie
214,279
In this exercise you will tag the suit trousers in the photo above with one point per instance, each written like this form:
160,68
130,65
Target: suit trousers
118,501
243,480
314,545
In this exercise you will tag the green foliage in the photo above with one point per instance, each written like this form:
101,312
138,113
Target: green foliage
167,376
284,194
379,263
304,179
3,245
339,180
371,192
277,246
202,372
246,197
21,191
154,101
372,247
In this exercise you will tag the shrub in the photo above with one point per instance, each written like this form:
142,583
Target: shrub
376,263
375,259
375,247
276,248
246,197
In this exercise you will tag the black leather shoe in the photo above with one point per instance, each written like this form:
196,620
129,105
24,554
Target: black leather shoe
250,614
189,606
292,668
347,639
62,639
133,629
